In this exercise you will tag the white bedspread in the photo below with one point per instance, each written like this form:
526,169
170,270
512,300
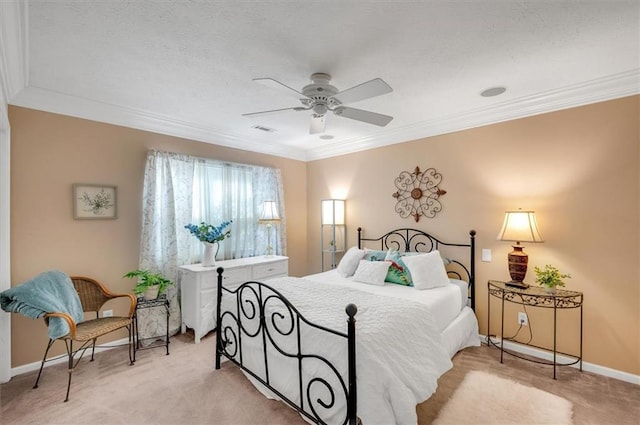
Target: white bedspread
400,354
445,302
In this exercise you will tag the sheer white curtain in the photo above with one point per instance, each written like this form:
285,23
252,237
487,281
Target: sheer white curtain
181,189
267,186
226,191
223,192
166,206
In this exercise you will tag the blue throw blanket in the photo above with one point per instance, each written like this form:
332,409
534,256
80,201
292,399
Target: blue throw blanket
49,292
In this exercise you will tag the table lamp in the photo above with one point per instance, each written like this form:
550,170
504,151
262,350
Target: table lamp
269,217
519,226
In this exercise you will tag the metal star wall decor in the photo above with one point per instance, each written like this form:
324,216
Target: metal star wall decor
418,193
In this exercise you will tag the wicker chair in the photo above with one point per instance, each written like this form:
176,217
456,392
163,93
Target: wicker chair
93,295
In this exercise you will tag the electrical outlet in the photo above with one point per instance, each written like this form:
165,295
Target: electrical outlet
523,319
107,313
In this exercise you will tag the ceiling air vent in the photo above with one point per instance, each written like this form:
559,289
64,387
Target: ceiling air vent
263,128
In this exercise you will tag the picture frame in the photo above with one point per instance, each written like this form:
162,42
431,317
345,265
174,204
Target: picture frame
94,202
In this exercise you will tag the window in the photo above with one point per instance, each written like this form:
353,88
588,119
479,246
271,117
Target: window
221,192
181,189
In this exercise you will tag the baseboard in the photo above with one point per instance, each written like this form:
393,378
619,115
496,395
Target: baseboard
64,359
589,367
519,348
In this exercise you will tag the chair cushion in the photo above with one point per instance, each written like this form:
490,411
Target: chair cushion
94,328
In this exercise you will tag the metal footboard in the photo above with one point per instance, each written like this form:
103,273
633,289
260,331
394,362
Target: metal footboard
261,314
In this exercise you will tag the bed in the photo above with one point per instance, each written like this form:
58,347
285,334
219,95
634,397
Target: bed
296,339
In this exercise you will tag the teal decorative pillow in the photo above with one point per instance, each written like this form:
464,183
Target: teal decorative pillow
398,272
374,255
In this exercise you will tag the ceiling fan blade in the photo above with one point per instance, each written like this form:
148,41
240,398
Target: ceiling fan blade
296,108
372,88
364,116
317,124
274,84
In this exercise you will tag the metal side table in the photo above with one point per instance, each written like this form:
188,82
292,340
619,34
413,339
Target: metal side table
535,297
158,340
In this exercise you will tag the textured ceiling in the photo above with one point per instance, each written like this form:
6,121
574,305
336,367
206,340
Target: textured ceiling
186,67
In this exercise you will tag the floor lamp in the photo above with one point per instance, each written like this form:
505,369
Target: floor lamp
269,217
332,228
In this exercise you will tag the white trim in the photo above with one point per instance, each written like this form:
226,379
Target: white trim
586,366
13,47
598,90
5,241
535,352
12,80
89,109
30,367
607,88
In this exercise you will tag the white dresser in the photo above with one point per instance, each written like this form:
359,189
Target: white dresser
199,287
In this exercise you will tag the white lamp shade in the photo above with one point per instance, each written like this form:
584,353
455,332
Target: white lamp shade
269,212
520,226
333,211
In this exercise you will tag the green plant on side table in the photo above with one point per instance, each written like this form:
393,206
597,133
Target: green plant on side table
151,285
550,277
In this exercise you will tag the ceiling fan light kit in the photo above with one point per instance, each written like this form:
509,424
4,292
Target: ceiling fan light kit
321,97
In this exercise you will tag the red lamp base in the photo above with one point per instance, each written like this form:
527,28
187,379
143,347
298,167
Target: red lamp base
518,261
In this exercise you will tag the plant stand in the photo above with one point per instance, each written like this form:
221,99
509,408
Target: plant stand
160,340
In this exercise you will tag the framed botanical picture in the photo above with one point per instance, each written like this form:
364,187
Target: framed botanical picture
94,201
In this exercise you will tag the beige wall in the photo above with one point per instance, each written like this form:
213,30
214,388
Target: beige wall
49,152
578,169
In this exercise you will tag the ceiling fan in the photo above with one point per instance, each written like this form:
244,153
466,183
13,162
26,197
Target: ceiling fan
321,97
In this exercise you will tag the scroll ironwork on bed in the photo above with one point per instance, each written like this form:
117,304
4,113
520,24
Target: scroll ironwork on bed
413,240
261,312
255,302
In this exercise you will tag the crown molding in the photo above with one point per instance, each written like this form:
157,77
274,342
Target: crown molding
59,103
598,90
14,69
607,88
15,88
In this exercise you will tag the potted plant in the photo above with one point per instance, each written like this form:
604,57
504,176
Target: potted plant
550,277
151,285
210,235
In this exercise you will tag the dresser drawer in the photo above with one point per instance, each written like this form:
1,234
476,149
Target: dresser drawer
229,277
207,279
277,268
235,277
208,297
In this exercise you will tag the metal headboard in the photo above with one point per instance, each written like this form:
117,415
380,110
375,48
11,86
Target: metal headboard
414,240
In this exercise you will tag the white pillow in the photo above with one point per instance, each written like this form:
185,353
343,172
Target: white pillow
427,270
371,272
445,260
349,262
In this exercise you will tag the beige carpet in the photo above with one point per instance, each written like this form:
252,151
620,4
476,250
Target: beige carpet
185,389
483,398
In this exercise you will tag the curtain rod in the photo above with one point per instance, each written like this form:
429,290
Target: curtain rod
204,159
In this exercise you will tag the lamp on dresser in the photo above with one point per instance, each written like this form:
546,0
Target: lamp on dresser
269,217
519,226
